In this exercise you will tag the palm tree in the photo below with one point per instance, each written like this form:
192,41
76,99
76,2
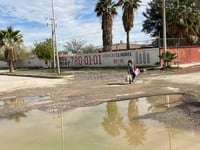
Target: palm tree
10,39
169,57
128,6
106,9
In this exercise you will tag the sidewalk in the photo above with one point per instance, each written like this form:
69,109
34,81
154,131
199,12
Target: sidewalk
189,65
44,73
32,73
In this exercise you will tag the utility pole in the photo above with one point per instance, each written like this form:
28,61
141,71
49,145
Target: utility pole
164,33
52,43
55,51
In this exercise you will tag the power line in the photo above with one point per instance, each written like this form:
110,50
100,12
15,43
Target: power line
97,32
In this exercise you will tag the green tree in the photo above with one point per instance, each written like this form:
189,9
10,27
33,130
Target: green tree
129,7
74,46
106,10
2,54
10,40
44,50
197,5
153,24
79,47
182,19
23,53
89,49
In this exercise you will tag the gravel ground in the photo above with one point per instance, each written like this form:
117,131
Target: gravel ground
84,88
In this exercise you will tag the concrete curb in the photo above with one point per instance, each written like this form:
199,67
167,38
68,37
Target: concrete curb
33,76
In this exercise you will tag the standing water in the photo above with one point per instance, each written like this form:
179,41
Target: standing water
109,126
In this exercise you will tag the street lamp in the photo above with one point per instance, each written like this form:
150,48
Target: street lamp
164,33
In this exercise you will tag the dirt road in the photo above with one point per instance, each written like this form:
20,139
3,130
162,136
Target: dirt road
84,88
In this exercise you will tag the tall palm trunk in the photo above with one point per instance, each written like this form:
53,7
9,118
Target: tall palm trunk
106,9
127,41
11,67
128,18
128,7
10,56
107,32
107,40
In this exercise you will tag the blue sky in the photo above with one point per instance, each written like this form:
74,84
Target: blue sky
75,19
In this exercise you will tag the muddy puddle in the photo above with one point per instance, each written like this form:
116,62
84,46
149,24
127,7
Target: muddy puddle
109,126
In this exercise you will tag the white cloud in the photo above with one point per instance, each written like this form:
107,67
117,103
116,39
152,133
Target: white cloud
75,20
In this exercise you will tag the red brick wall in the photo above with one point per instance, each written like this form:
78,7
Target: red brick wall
185,54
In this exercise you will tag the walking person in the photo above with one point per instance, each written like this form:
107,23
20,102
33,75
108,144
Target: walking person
131,69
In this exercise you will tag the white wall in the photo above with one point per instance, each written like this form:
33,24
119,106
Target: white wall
3,64
31,62
142,57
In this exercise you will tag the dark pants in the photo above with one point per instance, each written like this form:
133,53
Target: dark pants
133,75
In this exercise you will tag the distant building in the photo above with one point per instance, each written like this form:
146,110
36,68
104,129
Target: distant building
122,47
66,53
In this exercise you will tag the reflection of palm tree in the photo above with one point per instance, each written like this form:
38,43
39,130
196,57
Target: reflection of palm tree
132,109
12,104
136,131
16,116
112,122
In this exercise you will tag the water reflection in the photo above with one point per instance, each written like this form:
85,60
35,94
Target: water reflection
12,106
62,131
161,103
16,108
110,126
172,132
13,102
112,122
59,119
135,132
